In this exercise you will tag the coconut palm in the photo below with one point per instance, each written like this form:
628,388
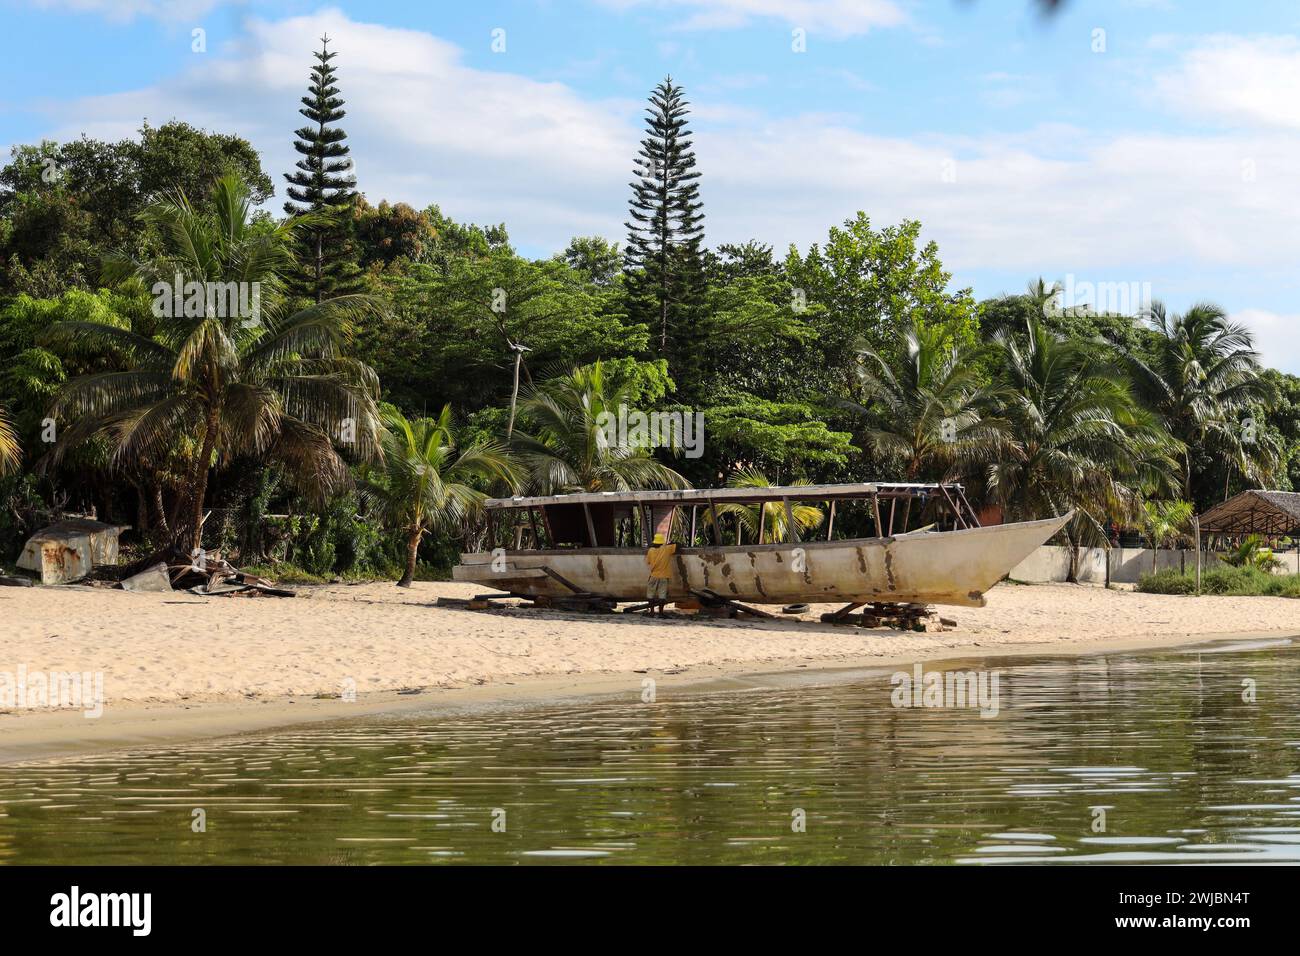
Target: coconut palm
772,518
1202,377
567,447
927,409
422,482
1081,441
221,382
10,451
1163,522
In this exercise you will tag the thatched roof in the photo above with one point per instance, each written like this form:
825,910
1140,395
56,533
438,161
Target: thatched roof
1255,512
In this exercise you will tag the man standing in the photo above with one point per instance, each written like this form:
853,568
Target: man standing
660,560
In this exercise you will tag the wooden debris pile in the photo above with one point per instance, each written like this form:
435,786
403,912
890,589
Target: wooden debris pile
902,617
206,573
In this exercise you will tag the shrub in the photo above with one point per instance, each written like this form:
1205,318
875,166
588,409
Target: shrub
1242,581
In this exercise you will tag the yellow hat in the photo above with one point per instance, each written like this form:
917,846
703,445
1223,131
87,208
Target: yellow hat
659,539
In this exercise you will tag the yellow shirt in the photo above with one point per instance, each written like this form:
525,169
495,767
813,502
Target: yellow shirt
660,559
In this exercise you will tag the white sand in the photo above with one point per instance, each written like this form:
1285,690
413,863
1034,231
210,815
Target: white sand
376,637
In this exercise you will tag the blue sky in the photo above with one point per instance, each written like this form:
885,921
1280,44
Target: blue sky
1161,153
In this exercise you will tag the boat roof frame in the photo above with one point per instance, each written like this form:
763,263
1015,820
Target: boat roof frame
708,496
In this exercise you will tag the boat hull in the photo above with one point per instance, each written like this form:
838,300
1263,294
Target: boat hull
944,567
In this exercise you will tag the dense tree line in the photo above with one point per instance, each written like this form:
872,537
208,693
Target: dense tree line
396,365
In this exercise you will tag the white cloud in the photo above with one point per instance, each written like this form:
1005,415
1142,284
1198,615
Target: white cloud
127,10
1277,337
423,127
1240,80
839,18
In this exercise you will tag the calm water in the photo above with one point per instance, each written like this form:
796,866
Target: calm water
1184,770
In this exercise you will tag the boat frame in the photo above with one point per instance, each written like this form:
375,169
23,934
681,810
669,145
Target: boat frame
596,541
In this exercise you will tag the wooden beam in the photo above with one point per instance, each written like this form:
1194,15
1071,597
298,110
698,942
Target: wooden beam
974,518
830,521
591,527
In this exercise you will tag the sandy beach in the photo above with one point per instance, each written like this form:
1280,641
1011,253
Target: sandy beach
181,666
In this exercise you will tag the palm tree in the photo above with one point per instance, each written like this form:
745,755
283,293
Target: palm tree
928,407
222,380
422,484
1252,551
1081,441
1163,522
772,518
569,448
1202,378
10,451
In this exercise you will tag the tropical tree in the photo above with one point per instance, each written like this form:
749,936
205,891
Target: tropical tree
868,284
227,381
10,452
929,409
662,260
1202,377
771,519
423,480
569,447
1163,522
324,185
1079,438
1252,552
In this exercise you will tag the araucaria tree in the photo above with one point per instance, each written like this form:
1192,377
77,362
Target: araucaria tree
323,185
662,262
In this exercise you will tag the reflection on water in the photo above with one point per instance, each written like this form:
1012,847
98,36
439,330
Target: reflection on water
1161,748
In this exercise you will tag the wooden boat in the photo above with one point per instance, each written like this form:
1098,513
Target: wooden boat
594,543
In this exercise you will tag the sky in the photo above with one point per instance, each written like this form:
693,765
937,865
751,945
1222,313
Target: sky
1130,149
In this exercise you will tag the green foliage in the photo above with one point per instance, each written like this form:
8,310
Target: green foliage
323,185
1203,380
927,405
1238,581
664,272
596,260
772,521
1252,552
788,435
10,450
64,206
428,480
868,286
851,360
449,338
563,444
1080,440
392,235
234,385
1164,521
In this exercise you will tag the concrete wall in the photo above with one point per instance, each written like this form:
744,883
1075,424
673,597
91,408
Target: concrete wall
1051,563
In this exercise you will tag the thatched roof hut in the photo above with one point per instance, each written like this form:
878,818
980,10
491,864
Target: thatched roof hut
1268,513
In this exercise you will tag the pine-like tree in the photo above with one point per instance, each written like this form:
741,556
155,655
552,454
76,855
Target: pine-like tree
323,185
662,261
